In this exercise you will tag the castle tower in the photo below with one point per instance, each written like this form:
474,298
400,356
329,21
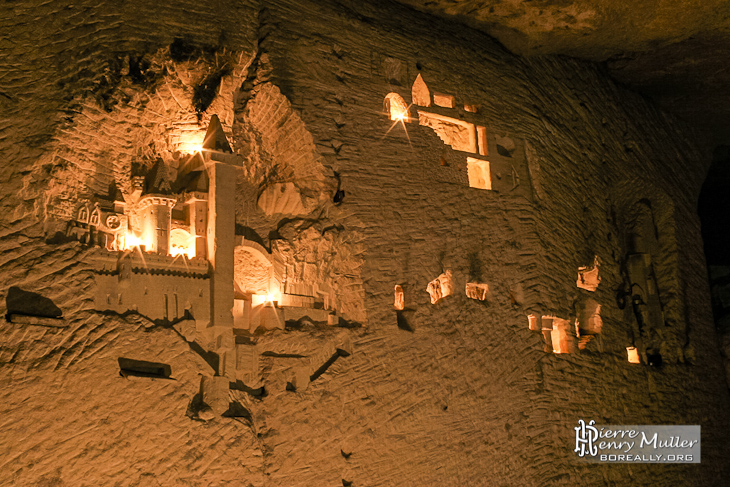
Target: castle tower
222,168
154,214
197,210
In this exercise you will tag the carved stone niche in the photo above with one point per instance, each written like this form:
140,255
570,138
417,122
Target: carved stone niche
633,355
440,287
557,334
588,276
477,291
399,298
394,70
589,317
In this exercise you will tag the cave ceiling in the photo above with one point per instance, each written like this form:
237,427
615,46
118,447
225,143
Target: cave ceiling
673,51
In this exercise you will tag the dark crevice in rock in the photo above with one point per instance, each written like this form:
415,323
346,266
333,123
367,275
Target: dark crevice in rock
142,368
207,90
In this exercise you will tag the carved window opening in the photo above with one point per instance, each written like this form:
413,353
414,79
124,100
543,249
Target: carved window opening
588,321
95,217
440,287
479,173
477,291
456,133
182,243
396,107
633,355
83,215
557,334
506,170
399,298
588,276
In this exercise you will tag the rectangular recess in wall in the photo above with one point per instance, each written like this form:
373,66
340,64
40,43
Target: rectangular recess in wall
482,137
142,368
479,173
446,101
453,132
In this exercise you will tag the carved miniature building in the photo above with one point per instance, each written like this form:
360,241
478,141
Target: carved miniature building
307,243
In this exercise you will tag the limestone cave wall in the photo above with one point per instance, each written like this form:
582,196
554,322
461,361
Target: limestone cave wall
351,202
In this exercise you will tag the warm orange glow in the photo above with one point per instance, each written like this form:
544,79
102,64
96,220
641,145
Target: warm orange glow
131,241
182,243
457,134
399,303
190,141
633,354
396,107
479,173
270,297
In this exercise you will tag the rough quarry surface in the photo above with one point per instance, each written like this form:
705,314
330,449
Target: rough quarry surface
318,243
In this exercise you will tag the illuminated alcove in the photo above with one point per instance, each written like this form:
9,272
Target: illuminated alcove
396,107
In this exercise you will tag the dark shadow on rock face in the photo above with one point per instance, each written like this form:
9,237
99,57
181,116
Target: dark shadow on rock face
142,368
403,319
28,303
195,406
206,91
211,358
250,234
258,393
237,410
323,368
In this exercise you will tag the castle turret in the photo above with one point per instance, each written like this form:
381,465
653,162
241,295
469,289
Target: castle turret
154,213
222,167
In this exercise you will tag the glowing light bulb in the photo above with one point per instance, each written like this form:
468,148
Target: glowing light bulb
131,241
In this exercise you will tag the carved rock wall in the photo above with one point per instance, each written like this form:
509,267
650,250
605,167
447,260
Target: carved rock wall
479,383
467,396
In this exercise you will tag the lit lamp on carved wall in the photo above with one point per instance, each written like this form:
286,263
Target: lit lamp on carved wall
396,107
182,243
633,355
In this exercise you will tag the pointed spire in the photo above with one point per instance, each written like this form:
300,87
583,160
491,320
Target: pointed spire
215,139
420,95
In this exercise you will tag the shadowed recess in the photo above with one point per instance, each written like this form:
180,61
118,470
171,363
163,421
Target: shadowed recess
19,301
142,368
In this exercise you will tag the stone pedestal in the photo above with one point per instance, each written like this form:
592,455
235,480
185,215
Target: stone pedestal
214,393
